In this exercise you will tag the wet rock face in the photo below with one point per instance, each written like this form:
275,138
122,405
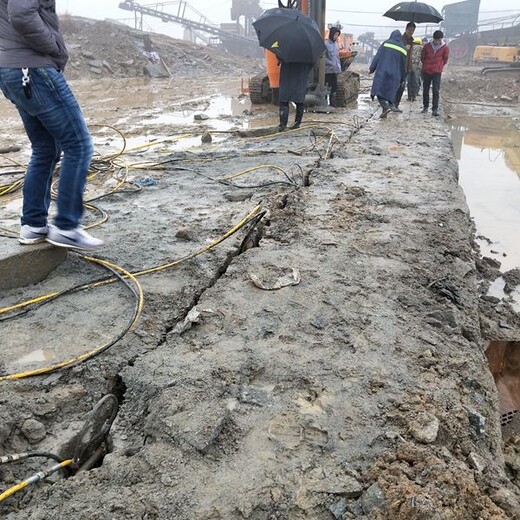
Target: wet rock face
373,499
512,280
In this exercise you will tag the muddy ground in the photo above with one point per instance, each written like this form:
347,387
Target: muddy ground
355,387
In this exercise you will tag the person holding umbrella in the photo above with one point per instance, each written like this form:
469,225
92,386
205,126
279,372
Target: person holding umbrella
293,87
332,63
389,65
434,57
297,42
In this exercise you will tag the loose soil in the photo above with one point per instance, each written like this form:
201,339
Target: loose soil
352,385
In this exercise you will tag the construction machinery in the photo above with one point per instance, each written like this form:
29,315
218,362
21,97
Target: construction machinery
231,36
263,88
496,54
497,58
471,39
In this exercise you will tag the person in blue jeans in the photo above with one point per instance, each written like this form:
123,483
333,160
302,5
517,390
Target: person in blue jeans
32,58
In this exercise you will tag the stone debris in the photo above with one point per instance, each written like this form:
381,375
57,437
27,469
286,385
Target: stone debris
425,428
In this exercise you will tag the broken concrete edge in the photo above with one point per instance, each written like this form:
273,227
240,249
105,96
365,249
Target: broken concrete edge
25,265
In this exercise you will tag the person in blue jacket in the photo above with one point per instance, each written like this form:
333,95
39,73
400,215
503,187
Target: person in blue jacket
389,65
332,64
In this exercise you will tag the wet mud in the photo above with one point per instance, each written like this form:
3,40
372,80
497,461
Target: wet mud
325,361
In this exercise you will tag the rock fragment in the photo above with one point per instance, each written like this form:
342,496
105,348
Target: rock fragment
425,428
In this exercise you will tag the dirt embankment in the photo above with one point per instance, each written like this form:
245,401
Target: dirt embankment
356,387
466,86
104,49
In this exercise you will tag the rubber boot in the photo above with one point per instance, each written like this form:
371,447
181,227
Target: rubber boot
284,118
385,105
299,116
332,100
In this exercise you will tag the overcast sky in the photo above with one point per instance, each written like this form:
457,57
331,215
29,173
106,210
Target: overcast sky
355,17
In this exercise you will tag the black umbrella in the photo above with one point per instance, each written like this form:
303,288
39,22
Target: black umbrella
291,35
417,12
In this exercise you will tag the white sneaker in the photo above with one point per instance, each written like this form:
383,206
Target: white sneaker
32,235
73,238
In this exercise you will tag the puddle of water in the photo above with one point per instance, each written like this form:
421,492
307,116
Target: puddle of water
219,112
142,94
363,102
488,151
173,144
496,289
36,357
122,93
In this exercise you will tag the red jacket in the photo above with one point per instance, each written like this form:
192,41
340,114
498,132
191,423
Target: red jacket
433,62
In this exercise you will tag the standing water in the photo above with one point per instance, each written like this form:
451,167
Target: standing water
488,152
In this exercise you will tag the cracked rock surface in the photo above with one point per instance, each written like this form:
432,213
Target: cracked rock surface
356,389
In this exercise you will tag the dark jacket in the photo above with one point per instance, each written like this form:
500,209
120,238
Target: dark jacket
433,62
389,65
294,78
408,40
30,35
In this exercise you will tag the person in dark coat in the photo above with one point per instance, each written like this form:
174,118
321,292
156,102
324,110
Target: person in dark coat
293,87
389,65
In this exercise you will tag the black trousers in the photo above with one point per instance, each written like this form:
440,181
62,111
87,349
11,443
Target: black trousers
435,81
332,81
414,83
399,94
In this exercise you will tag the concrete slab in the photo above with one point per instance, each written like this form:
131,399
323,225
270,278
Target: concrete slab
24,265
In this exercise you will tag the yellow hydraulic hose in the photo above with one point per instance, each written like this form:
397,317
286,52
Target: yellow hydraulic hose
90,354
34,478
252,169
39,299
124,274
111,164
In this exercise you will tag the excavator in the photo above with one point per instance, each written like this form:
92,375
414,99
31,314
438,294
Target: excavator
497,58
263,88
